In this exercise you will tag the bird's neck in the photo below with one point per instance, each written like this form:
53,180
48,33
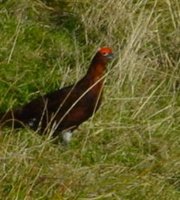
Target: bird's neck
94,77
96,71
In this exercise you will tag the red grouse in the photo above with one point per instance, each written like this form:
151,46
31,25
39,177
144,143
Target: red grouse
63,110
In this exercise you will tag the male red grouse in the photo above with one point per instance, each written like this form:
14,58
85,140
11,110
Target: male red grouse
63,110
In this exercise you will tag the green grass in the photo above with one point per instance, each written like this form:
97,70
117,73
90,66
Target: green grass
130,148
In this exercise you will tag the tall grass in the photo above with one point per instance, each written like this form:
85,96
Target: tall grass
130,148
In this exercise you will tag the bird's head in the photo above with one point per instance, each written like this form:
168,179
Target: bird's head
105,54
100,60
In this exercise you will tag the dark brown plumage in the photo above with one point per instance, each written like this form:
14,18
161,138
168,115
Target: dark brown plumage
62,111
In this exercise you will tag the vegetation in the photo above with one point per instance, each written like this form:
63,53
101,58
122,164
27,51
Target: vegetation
130,148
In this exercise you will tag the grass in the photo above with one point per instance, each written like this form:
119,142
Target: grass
130,148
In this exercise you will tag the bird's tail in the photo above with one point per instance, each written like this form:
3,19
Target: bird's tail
5,117
9,118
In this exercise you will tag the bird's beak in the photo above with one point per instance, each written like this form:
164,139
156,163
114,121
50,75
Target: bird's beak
110,56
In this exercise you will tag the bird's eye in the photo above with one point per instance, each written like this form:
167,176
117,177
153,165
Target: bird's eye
104,53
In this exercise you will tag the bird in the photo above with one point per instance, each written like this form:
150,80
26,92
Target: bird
63,110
